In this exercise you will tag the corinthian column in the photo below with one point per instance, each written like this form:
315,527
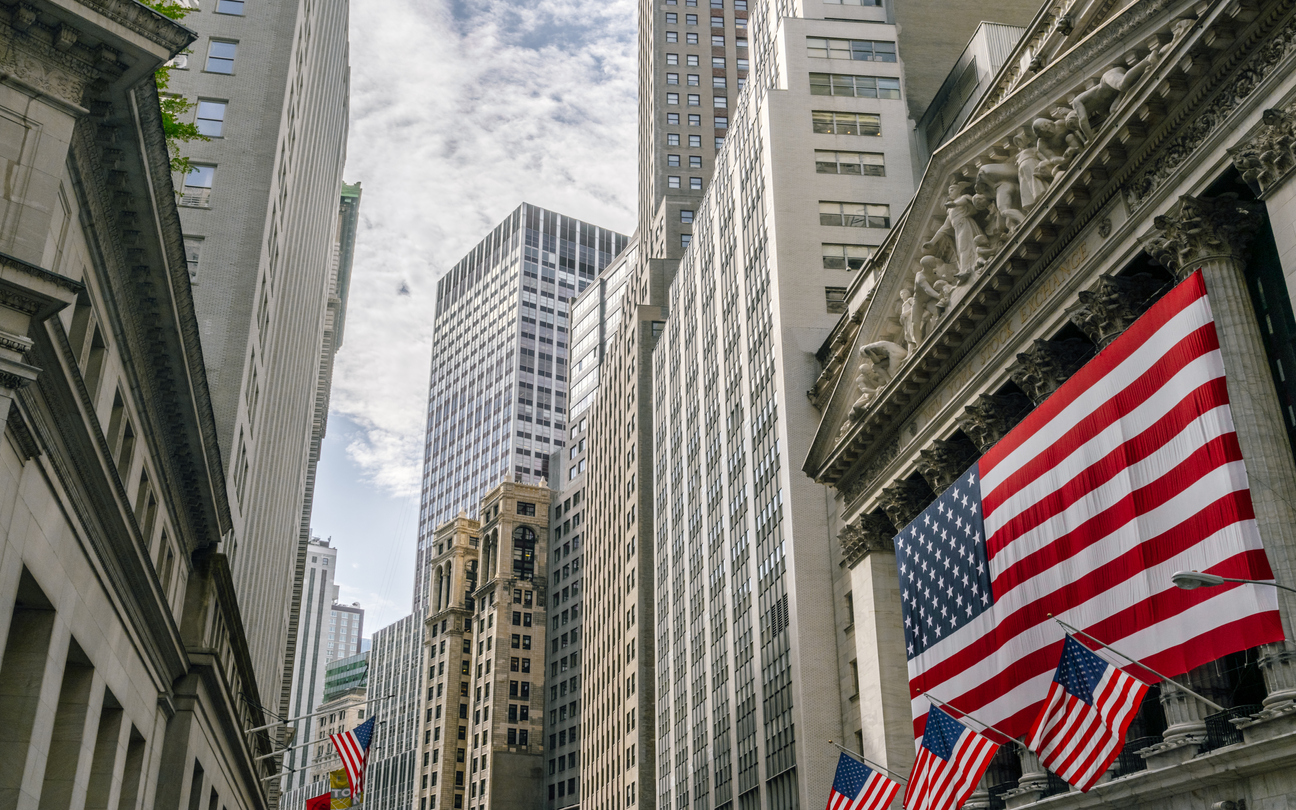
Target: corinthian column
1213,234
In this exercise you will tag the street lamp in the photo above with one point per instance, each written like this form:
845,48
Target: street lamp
1188,580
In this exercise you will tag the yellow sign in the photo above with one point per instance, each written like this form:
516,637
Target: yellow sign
341,789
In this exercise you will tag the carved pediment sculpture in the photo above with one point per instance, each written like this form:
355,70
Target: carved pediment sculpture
1270,153
1112,303
838,355
989,418
1041,369
866,534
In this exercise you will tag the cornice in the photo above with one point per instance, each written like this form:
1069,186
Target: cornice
1121,144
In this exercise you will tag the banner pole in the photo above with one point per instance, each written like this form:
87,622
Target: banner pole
869,763
1139,663
943,704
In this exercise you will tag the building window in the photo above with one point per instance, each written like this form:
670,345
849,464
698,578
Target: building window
229,7
672,59
694,100
692,60
690,19
672,160
672,119
672,139
686,217
672,98
695,142
722,122
742,66
211,118
718,62
524,508
846,257
695,161
858,163
694,80
193,255
846,123
717,22
695,120
672,78
691,38
686,239
858,50
717,41
854,215
835,300
672,18
673,182
695,183
718,82
720,101
220,56
837,84
853,2
198,186
672,36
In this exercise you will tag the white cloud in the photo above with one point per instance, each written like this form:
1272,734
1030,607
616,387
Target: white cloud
460,112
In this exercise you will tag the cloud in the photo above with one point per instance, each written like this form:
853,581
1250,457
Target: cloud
460,111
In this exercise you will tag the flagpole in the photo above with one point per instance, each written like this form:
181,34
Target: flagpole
869,763
1014,740
1137,662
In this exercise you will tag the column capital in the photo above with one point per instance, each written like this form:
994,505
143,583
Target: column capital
990,416
943,462
904,500
1041,369
1269,155
1202,228
865,535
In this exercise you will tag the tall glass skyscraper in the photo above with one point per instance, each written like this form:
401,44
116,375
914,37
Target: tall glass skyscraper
497,400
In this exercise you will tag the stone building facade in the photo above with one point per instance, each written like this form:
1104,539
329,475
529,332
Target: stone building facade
1147,141
127,677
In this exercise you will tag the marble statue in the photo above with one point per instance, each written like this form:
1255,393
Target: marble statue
960,227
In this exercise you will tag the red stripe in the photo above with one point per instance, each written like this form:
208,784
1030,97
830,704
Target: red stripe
1205,459
1195,345
1161,313
1160,607
1224,512
1205,398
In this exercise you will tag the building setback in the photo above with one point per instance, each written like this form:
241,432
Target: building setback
127,675
270,82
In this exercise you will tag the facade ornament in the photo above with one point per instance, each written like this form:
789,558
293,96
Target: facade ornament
1105,227
945,461
879,361
989,418
1201,228
1097,101
1270,154
865,535
1041,369
904,500
1112,303
24,15
838,354
1065,24
960,229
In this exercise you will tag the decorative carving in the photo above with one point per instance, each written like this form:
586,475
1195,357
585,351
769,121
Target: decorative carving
904,500
64,38
960,229
1098,100
1041,369
854,487
1065,24
1112,303
989,418
1200,228
1268,155
838,354
1205,120
946,460
865,535
879,362
27,445
23,17
1105,227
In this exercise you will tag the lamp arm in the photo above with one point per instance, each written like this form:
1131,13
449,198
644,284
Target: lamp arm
1259,582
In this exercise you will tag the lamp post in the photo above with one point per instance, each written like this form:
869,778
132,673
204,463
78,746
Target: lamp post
1188,580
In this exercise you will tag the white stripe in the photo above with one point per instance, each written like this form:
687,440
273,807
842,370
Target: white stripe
1228,606
1191,318
1215,422
1221,545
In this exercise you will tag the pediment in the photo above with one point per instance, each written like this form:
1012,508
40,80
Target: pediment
1000,200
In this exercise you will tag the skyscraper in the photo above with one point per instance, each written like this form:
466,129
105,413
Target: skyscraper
497,401
270,84
714,672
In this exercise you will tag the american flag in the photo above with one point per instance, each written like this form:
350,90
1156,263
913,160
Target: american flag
1088,709
353,746
859,787
950,762
1129,472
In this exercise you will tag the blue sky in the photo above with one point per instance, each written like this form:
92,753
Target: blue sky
459,112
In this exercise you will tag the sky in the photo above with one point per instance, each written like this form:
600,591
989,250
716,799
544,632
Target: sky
459,112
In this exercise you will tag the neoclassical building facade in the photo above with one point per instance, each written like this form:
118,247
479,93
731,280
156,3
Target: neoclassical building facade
125,676
1123,147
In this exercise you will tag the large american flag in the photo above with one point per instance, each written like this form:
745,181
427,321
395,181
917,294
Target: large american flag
859,787
353,746
950,762
1129,472
1088,710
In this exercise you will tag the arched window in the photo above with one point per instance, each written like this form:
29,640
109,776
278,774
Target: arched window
524,543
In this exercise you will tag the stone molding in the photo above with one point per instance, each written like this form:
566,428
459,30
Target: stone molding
944,463
1112,303
838,355
1201,228
904,500
1041,369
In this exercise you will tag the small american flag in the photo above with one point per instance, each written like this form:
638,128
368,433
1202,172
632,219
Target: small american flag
859,787
1129,472
950,762
1088,709
353,746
